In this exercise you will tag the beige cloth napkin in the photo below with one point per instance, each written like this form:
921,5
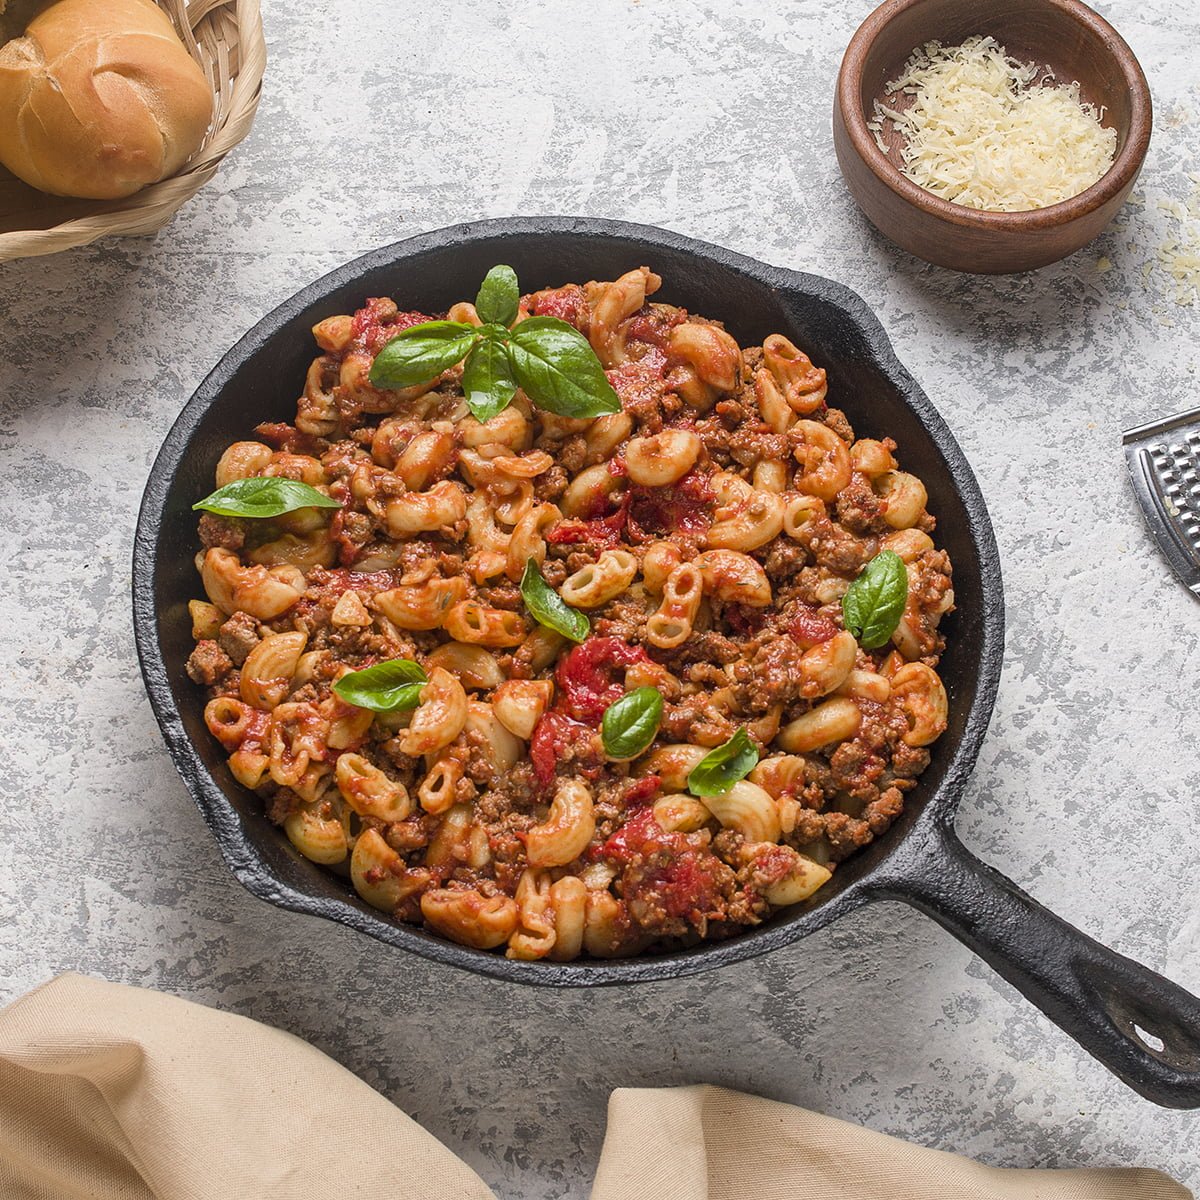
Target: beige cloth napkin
114,1093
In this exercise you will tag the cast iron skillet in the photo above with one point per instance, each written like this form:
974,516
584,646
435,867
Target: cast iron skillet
1105,1001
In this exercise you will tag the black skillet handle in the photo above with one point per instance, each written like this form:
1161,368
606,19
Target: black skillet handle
1105,1001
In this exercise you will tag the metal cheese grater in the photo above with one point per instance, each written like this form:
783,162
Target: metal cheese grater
1164,462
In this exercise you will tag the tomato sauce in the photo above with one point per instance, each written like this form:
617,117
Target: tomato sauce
603,530
256,730
653,325
374,325
743,620
349,549
682,507
287,438
640,835
344,580
686,886
640,382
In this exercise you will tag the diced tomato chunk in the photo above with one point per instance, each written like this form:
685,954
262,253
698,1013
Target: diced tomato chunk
554,733
686,885
604,530
653,325
810,627
640,834
587,676
567,303
682,507
640,382
638,791
374,325
663,870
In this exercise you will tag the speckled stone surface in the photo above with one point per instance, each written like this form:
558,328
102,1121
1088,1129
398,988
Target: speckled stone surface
710,118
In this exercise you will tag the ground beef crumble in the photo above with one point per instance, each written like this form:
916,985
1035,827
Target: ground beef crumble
208,664
238,636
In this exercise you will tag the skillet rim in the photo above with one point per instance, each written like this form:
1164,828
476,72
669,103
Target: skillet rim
237,848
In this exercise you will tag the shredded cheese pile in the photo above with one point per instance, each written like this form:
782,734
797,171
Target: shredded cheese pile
980,133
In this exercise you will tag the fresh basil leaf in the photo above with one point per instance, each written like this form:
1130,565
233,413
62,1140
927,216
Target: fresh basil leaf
497,333
559,370
386,687
629,724
549,608
499,296
263,496
421,353
487,380
721,768
874,602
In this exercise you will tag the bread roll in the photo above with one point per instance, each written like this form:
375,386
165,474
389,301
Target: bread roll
99,99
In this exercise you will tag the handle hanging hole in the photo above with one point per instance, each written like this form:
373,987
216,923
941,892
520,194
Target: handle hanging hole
1151,1041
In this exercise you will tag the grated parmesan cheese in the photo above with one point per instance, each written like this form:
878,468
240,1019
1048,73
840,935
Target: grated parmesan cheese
979,131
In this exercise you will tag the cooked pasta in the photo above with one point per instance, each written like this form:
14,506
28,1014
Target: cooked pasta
705,536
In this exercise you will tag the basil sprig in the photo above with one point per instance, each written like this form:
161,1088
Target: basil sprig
391,686
874,602
629,724
551,360
549,608
721,768
263,496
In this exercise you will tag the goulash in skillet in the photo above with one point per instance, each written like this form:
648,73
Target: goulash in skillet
565,625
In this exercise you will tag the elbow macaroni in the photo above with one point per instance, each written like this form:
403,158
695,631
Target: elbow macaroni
567,829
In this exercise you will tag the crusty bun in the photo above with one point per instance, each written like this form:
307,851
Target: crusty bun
99,99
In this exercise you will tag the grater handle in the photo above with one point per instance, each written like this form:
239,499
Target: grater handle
1141,1026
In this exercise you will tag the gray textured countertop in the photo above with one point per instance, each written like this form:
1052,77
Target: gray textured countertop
711,119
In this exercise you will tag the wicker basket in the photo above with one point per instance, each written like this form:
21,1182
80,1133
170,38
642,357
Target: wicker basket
225,37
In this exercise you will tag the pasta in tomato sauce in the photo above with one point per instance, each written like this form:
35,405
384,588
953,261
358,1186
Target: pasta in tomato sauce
709,534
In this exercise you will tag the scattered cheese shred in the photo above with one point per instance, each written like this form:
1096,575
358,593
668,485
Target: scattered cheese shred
979,131
1179,255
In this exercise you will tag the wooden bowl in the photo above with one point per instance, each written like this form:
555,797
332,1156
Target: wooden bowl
1062,36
